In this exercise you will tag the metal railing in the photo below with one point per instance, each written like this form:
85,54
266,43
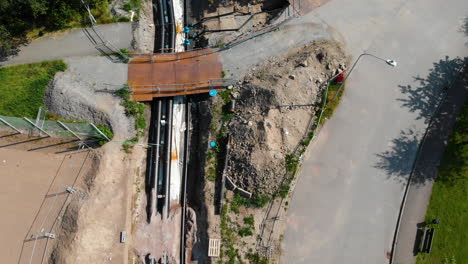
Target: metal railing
179,88
50,128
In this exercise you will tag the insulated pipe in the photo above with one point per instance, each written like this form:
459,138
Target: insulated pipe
184,180
168,146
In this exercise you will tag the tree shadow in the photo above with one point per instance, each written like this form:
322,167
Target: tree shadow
398,161
424,97
464,27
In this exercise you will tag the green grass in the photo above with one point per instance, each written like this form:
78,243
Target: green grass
134,5
135,109
449,201
22,87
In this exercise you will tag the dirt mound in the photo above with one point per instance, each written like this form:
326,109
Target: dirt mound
275,103
85,92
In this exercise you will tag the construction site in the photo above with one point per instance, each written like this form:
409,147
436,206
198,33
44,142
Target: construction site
204,180
193,132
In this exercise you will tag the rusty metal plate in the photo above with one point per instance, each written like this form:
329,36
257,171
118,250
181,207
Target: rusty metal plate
171,74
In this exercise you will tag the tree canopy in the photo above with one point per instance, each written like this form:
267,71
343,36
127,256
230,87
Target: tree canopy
17,17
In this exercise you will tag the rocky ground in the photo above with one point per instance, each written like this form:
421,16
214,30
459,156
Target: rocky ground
275,103
144,29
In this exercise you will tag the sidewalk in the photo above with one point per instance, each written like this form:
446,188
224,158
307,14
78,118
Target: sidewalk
426,169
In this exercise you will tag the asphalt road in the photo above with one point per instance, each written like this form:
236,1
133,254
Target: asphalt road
346,203
72,43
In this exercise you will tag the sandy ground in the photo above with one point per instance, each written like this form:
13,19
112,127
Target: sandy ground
106,212
32,185
41,169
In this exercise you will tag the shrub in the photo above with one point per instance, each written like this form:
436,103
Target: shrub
245,231
249,220
292,163
284,190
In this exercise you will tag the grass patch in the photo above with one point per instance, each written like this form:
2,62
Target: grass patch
211,165
292,163
135,109
332,104
23,87
255,258
228,235
257,201
134,5
106,131
449,200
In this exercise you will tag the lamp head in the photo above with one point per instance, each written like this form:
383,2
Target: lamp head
391,63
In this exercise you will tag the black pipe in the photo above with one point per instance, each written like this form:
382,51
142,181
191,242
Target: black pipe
159,13
149,186
171,22
156,155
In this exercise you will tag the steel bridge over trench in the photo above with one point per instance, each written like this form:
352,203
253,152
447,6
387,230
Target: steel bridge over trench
172,74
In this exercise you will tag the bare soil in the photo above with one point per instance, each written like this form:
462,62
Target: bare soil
33,176
275,104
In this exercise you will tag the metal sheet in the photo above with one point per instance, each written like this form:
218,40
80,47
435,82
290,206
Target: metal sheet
171,74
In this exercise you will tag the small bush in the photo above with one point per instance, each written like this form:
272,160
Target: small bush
134,5
127,148
260,201
245,231
256,259
249,220
140,122
284,190
256,201
226,96
292,163
123,93
106,131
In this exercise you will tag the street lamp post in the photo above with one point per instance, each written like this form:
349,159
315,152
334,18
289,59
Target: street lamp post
392,63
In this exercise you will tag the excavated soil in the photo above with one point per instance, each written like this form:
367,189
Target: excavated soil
275,103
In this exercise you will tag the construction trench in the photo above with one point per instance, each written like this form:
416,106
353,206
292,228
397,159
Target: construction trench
176,83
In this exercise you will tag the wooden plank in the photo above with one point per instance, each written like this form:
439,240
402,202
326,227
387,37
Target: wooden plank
214,247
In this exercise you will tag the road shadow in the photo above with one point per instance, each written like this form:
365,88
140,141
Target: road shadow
424,97
399,161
